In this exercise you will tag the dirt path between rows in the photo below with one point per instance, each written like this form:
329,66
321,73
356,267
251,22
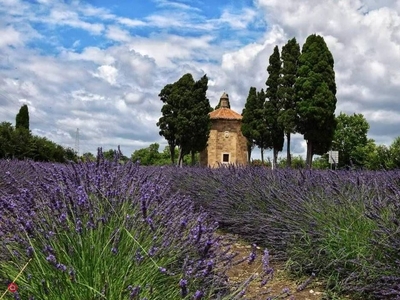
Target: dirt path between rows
276,287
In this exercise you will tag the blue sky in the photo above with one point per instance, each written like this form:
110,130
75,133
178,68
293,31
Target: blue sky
99,65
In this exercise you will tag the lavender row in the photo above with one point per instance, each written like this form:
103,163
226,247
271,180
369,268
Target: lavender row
48,211
343,226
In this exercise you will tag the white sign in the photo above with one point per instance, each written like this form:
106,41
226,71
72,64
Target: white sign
333,157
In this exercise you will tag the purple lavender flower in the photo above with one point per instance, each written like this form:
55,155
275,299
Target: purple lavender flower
265,260
16,296
183,285
153,250
29,252
62,218
51,259
253,254
78,226
134,291
61,267
198,295
138,256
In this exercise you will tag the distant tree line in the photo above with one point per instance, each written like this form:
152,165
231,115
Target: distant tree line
19,143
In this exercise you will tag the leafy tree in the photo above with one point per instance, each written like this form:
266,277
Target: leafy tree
287,116
88,157
253,123
22,118
379,158
394,150
110,154
273,105
350,139
68,154
185,121
199,117
147,156
316,96
297,162
6,145
22,143
168,122
249,120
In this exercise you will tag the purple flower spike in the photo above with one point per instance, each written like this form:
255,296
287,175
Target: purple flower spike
252,257
51,259
183,285
198,295
135,291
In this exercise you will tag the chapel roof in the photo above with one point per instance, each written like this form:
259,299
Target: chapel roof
224,113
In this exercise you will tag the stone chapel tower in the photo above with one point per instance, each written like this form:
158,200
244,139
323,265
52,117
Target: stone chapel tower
226,144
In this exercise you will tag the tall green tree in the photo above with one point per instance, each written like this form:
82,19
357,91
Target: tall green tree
316,96
168,122
394,151
185,121
254,123
22,118
198,114
249,119
286,92
273,105
6,143
351,139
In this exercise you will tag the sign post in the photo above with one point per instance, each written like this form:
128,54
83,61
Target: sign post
333,158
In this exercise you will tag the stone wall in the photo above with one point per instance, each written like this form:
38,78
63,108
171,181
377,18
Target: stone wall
225,138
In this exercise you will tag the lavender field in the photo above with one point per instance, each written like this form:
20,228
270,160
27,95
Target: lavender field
106,230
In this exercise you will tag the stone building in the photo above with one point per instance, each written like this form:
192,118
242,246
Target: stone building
226,144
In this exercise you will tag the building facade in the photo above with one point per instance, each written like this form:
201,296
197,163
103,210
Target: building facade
226,143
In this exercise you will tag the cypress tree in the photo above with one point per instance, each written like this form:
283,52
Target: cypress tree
22,118
274,105
316,95
288,116
253,122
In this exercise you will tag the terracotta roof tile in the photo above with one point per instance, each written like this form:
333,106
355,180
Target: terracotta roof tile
225,113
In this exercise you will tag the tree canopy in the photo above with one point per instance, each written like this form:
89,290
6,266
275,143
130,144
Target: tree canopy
315,89
351,139
185,120
287,116
254,123
21,144
273,105
22,118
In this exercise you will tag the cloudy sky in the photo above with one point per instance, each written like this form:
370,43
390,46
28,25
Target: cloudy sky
99,65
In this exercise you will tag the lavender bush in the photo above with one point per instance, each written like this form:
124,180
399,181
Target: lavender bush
105,231
342,226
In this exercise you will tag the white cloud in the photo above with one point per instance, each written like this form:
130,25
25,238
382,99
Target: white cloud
10,37
130,22
238,20
93,54
107,73
117,34
62,16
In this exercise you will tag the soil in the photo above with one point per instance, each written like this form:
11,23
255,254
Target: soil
275,287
